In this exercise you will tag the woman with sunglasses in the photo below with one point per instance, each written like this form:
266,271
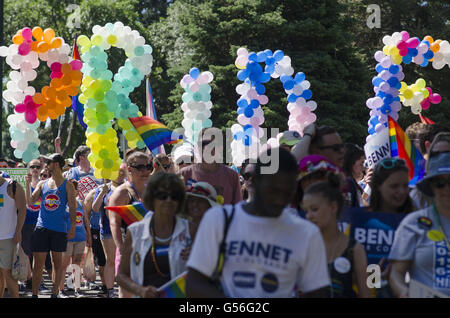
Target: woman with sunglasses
422,241
248,172
153,247
34,167
139,168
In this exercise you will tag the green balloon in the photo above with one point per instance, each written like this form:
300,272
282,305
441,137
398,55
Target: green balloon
103,154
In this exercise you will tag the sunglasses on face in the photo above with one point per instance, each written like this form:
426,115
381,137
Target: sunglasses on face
440,183
35,167
390,163
143,167
164,195
335,147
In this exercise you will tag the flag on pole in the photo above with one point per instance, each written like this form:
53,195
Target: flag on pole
129,213
77,107
425,120
151,112
176,288
402,147
153,132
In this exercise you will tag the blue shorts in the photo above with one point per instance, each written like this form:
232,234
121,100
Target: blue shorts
45,240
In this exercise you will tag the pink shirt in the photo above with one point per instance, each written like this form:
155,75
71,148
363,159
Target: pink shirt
224,180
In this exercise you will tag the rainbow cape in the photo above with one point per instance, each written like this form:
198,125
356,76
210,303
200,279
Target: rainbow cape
129,213
176,288
402,147
153,132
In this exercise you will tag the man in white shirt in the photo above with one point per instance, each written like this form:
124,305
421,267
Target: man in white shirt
269,251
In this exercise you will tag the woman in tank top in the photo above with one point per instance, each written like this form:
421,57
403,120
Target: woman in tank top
347,260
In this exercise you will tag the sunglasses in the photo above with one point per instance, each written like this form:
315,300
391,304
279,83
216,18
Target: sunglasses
164,195
390,163
167,166
143,167
35,167
335,147
44,176
440,183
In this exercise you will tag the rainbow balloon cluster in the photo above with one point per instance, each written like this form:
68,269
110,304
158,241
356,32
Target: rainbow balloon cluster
247,133
390,91
196,103
106,99
24,57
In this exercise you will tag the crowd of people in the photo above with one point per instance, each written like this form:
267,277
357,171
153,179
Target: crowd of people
236,231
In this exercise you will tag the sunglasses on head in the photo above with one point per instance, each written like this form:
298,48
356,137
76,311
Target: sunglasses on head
440,183
390,163
35,167
43,175
335,147
164,195
142,167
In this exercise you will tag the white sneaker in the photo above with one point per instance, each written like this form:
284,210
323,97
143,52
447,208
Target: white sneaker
78,294
62,294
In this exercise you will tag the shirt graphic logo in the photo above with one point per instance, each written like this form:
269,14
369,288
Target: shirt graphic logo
79,219
2,200
52,202
269,283
36,206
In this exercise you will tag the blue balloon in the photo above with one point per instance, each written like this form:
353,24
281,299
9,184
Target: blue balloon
371,130
307,94
399,85
376,81
270,61
413,52
260,89
292,98
242,74
264,77
278,55
268,52
288,85
248,129
248,112
427,43
381,94
284,78
299,77
242,102
269,69
393,81
238,135
194,72
425,63
393,69
261,57
407,59
379,68
254,103
240,110
428,55
253,57
247,140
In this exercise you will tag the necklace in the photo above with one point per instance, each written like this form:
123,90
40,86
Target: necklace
438,219
153,250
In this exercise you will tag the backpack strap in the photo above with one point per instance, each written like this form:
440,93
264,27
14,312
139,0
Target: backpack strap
222,247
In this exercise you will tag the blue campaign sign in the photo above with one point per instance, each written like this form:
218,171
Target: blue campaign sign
374,230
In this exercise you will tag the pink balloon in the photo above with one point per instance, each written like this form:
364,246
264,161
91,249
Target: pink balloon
430,91
402,45
56,67
76,65
27,34
56,75
24,48
425,104
194,87
263,99
187,79
30,117
413,43
403,52
436,98
305,111
405,35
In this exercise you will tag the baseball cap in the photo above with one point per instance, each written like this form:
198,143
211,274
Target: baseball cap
290,138
203,190
56,157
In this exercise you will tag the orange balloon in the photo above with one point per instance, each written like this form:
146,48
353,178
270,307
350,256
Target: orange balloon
56,43
49,92
429,39
66,102
34,46
76,76
38,98
66,68
71,90
66,80
38,34
435,47
43,47
51,104
59,109
49,34
52,114
60,95
18,39
56,82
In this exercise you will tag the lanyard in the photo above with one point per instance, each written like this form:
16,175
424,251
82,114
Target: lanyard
436,215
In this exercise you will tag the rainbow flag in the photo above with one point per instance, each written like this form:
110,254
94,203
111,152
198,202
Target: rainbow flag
176,288
129,213
151,112
77,107
153,132
402,147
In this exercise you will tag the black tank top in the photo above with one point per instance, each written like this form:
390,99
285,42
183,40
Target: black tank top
342,283
151,276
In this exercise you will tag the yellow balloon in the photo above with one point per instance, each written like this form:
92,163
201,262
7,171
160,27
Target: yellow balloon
397,59
83,40
393,50
408,94
111,39
114,174
96,39
106,173
85,48
425,92
97,173
82,99
421,83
